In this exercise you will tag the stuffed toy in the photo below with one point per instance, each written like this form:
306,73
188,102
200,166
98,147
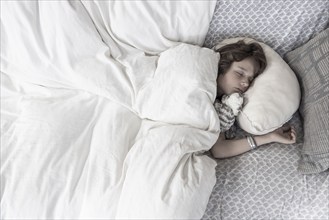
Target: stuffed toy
227,109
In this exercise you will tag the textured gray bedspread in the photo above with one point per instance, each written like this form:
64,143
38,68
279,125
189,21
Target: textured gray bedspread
265,184
281,24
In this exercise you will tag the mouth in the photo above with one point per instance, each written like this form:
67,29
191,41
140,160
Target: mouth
238,90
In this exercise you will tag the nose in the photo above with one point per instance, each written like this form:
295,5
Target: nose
244,84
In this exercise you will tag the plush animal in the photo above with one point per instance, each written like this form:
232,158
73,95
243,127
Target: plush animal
227,109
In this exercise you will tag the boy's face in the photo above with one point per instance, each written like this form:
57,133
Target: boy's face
238,77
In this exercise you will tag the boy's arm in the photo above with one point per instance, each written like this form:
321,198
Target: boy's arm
227,148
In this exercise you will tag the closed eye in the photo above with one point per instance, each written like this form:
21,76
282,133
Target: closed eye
239,73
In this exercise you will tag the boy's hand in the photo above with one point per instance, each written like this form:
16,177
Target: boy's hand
285,135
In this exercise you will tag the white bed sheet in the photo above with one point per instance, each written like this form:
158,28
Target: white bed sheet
61,154
150,26
74,141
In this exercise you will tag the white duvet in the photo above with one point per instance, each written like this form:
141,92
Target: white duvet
106,109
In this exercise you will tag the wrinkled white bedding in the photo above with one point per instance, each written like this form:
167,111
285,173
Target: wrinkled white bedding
98,118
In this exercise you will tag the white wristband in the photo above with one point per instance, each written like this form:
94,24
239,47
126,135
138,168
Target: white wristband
251,142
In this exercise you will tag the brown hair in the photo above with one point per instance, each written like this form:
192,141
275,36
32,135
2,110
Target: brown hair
238,51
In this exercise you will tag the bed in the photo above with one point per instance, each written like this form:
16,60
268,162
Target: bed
107,111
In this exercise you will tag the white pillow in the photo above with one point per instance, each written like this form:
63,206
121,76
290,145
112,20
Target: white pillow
273,97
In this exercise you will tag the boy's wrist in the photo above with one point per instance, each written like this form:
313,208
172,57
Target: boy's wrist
264,139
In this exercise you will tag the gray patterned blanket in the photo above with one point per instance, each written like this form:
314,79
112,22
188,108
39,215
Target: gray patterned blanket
265,183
